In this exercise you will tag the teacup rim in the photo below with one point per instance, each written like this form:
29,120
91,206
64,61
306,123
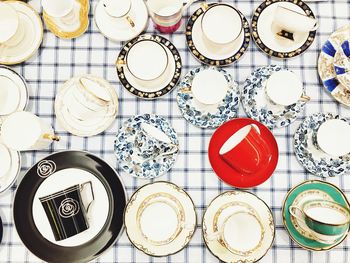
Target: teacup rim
164,16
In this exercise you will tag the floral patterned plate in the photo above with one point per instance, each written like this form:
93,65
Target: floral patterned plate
342,63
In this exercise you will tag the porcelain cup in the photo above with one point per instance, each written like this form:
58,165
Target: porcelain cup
120,10
246,151
56,8
12,30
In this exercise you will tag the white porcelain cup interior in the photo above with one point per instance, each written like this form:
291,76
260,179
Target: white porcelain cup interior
57,8
293,21
165,8
327,215
333,137
155,132
9,22
96,89
117,8
9,96
147,60
5,160
209,86
284,87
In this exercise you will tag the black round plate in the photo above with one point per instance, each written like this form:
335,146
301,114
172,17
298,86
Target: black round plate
23,216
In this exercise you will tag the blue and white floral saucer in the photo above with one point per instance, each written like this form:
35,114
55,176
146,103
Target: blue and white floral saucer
202,115
259,107
126,150
308,153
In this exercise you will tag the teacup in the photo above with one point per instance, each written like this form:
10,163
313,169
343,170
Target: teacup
5,160
290,22
240,232
324,217
285,88
62,9
12,28
66,211
120,9
246,151
151,142
332,137
209,86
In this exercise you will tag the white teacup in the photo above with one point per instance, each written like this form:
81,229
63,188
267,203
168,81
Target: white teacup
333,137
57,8
209,86
285,88
119,9
5,160
9,22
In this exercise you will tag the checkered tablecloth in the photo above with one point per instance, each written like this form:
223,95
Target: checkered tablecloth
59,60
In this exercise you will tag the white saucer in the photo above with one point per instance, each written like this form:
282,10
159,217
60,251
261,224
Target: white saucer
33,35
110,28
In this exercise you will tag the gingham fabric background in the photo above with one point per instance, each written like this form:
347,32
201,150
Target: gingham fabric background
59,60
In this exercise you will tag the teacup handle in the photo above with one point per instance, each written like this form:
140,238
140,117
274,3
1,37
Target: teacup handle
305,98
174,149
293,214
82,186
315,26
214,236
187,5
130,21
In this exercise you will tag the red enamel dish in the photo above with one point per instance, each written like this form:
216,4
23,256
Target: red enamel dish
230,175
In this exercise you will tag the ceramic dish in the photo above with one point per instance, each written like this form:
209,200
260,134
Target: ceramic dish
342,64
202,115
108,25
225,171
258,106
68,31
306,191
32,39
160,219
194,40
127,154
310,156
251,243
91,126
54,173
273,45
326,66
175,66
9,178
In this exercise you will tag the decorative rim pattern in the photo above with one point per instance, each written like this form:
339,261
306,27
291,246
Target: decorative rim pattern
201,57
253,87
268,51
305,149
227,109
162,91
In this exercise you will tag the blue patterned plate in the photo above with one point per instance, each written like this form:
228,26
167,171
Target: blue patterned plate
126,152
202,115
258,106
308,153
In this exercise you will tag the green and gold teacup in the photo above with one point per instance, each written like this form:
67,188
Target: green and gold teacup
323,217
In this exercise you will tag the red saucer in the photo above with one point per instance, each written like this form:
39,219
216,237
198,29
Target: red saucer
228,174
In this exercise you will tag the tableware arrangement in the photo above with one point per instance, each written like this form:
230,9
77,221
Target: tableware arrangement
274,96
160,219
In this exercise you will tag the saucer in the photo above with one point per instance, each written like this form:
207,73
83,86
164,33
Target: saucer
326,66
16,88
194,40
259,107
224,171
70,30
221,208
272,44
108,25
128,80
202,115
306,191
342,63
310,156
89,127
33,35
105,216
153,226
14,167
124,148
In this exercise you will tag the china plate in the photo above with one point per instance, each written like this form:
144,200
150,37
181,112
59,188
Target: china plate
258,106
342,63
135,228
33,35
326,66
310,190
70,30
268,41
200,114
108,25
310,156
124,147
54,173
78,127
223,206
128,81
194,40
224,171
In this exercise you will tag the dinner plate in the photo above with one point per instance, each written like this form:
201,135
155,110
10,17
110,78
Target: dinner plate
268,41
228,174
301,193
55,173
